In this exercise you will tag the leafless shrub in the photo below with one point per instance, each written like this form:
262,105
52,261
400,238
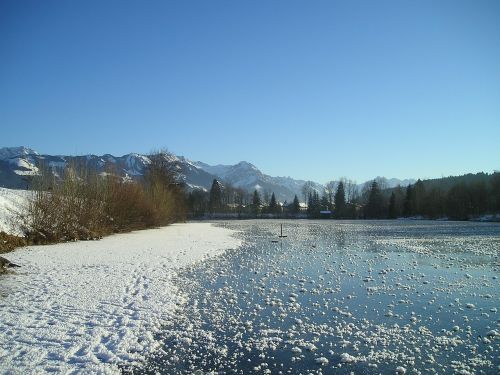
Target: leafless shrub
164,190
78,203
127,207
65,207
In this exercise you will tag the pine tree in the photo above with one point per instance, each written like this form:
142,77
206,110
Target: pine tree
256,202
392,207
314,204
295,205
495,192
418,197
339,200
458,202
197,201
273,205
215,200
374,207
408,205
399,200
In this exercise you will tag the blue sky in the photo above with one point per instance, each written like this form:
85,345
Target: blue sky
311,89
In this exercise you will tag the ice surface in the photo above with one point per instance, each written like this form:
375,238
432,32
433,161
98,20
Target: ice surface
94,306
370,297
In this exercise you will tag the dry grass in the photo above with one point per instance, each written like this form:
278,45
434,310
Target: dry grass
9,242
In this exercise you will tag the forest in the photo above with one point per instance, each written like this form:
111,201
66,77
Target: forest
456,198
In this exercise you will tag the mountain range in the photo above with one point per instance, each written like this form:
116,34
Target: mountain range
17,164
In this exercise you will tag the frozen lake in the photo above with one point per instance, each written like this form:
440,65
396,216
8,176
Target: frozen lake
363,297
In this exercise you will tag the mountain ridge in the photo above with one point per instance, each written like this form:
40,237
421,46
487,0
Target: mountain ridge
18,164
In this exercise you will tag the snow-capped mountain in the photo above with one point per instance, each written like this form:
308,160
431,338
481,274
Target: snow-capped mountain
19,164
247,176
11,152
387,183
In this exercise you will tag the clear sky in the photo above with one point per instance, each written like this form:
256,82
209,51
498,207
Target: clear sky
311,89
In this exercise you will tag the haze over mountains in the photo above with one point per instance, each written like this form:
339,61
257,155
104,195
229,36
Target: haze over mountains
17,164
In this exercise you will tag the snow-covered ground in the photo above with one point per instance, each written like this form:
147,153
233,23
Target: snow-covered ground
11,201
90,306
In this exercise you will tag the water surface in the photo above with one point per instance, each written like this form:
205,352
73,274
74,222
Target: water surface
363,297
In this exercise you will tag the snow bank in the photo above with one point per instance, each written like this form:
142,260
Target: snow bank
11,201
89,306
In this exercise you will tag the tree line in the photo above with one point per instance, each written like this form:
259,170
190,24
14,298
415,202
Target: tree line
469,197
227,201
457,198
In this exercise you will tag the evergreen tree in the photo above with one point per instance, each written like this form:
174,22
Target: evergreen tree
215,198
273,205
374,207
295,205
408,204
339,199
197,201
256,202
314,204
495,193
400,196
434,205
479,198
418,197
458,203
392,207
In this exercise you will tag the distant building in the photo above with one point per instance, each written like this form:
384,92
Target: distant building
235,206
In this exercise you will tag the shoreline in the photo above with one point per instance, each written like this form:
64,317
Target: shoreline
95,305
12,202
12,242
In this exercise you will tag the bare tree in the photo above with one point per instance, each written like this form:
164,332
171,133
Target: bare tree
382,183
164,189
266,197
330,188
351,190
307,188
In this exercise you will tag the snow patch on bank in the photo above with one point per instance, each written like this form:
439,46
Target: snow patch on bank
11,202
90,306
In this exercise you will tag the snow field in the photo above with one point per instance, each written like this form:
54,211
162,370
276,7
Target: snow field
92,306
11,201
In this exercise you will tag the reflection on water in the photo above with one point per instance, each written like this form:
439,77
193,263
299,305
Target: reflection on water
341,297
